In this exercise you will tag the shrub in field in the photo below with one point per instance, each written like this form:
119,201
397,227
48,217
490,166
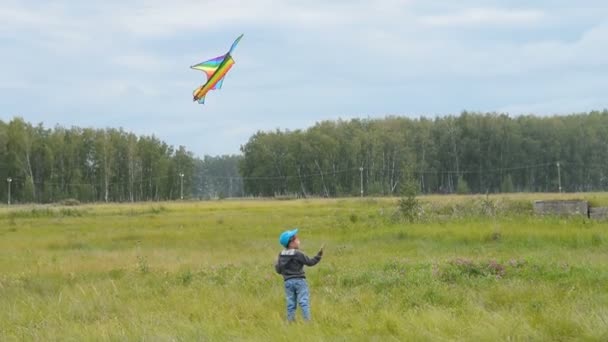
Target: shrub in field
409,208
185,277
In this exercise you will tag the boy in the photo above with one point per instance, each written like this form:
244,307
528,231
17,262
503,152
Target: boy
290,265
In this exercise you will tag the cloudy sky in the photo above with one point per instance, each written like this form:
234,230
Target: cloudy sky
125,63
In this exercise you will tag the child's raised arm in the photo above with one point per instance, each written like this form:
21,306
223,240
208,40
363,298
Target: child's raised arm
310,261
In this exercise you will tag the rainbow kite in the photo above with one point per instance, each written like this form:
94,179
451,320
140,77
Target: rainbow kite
216,69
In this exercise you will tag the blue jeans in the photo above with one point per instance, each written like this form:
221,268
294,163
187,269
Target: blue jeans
296,292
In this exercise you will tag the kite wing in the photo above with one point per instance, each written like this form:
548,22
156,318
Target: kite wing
209,67
236,41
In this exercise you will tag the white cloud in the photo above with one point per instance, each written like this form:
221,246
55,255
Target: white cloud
475,17
16,17
140,61
407,56
188,16
162,17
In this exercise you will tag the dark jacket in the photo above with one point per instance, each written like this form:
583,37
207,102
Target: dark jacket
290,263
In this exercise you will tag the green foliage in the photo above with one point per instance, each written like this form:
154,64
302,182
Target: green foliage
217,177
29,191
409,206
468,153
185,277
74,165
507,185
463,187
373,189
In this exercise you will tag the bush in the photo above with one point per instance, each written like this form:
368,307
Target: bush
409,209
409,206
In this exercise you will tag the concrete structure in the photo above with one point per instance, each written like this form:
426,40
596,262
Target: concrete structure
598,213
567,208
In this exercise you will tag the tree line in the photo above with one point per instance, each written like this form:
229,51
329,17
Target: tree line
44,165
468,153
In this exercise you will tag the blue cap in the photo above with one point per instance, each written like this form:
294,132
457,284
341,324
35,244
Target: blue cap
286,237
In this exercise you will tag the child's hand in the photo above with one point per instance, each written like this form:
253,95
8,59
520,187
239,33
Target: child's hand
321,250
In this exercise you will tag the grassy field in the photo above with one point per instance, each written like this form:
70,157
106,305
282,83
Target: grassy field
203,271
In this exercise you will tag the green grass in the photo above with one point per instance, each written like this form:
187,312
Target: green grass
203,271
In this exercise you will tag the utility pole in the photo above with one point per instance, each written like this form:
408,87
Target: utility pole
9,180
230,188
361,172
559,179
181,191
